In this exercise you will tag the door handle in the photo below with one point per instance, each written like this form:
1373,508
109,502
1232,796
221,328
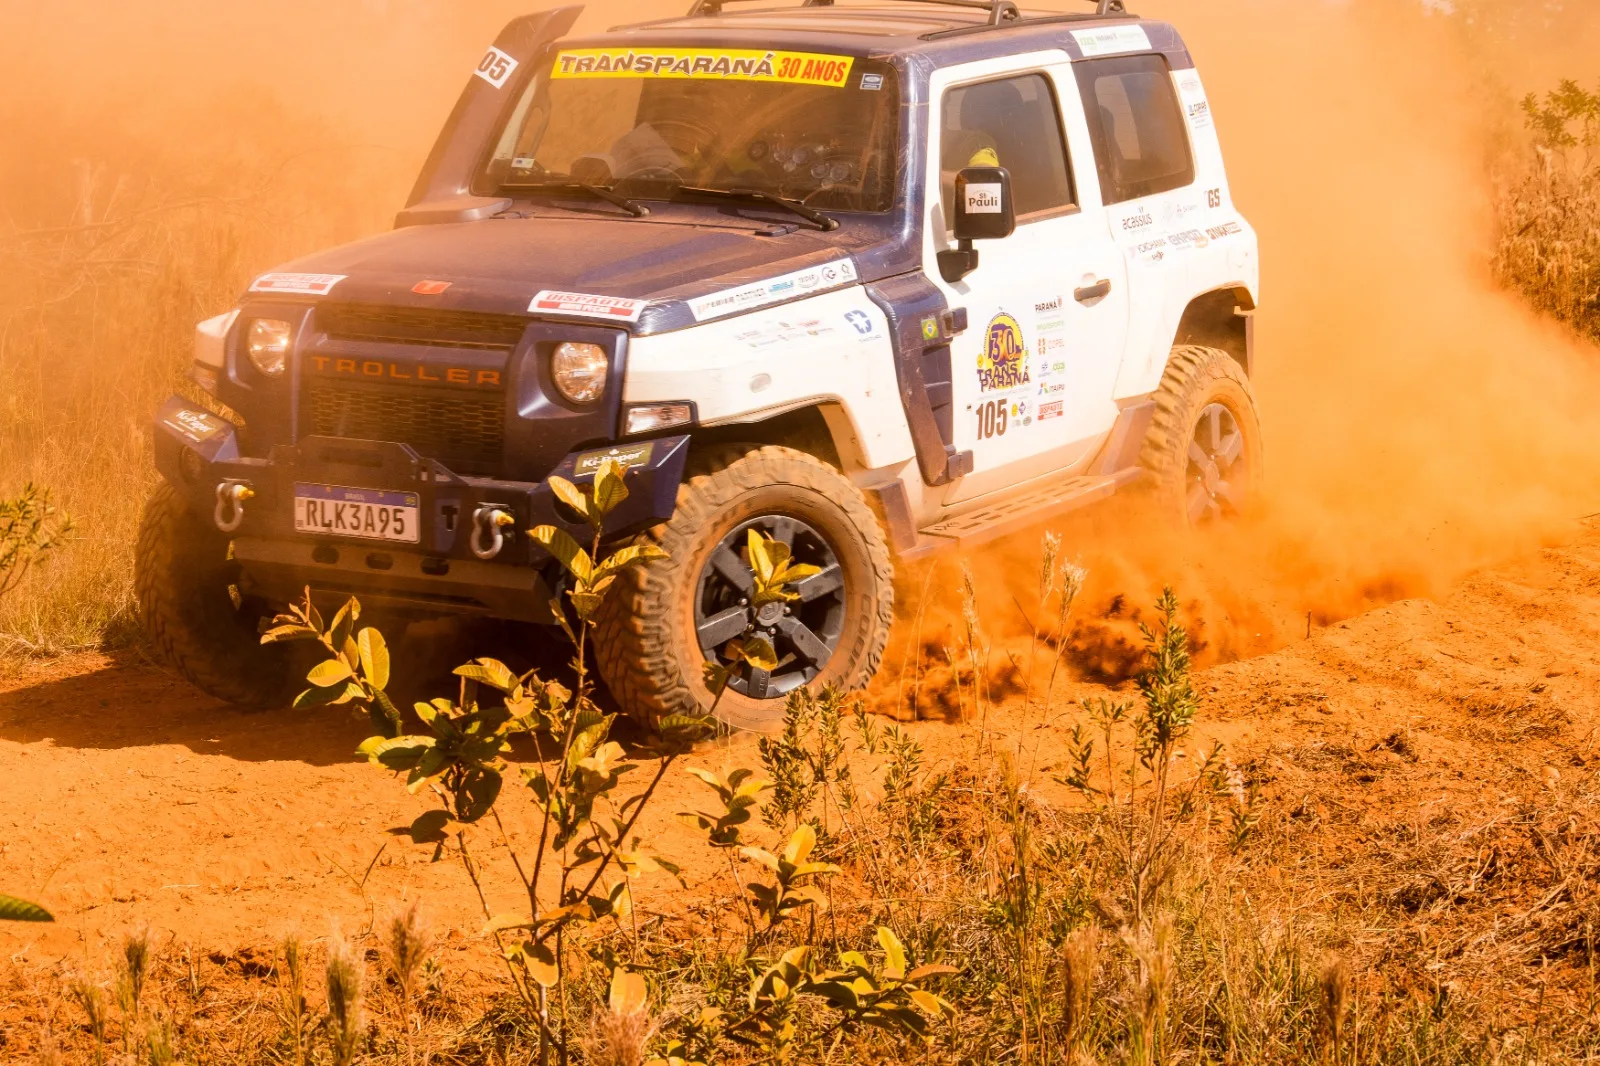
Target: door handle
1092,292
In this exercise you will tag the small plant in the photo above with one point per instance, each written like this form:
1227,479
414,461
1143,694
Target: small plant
585,829
792,872
30,526
1140,800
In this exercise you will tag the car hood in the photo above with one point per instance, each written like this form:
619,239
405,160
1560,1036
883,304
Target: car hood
669,258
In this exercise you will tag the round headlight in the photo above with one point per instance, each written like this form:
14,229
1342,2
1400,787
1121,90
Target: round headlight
580,371
267,343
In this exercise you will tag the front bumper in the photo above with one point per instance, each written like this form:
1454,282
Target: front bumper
196,452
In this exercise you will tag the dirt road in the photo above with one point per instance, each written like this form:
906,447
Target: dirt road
134,801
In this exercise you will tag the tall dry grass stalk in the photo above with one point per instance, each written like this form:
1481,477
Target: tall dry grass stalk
345,1024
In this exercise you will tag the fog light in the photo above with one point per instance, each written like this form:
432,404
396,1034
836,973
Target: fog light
268,345
580,371
648,417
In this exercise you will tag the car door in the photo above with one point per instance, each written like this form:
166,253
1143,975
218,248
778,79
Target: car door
1047,307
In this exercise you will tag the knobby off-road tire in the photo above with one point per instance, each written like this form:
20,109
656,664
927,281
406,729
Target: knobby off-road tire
649,641
182,578
1203,449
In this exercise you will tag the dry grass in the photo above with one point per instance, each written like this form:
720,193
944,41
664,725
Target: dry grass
114,247
1549,206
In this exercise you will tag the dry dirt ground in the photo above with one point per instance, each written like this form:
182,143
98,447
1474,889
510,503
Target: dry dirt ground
1426,769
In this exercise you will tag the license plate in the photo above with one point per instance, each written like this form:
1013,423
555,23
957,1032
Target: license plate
347,512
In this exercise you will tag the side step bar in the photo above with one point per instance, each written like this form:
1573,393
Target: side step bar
1018,512
1116,467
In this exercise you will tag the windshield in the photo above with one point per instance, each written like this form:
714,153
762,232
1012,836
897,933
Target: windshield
818,129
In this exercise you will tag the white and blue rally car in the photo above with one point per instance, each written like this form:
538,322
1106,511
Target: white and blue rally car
874,277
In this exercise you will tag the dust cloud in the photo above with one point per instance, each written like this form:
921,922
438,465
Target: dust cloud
1419,421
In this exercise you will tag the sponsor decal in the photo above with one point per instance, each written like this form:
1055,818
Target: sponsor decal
1044,307
587,305
1189,238
1003,363
761,293
1189,82
1148,247
930,328
1227,229
872,82
1111,40
298,284
1138,221
198,426
983,198
629,456
716,64
1050,410
393,370
495,67
1213,198
1050,388
1200,114
430,288
860,321
767,334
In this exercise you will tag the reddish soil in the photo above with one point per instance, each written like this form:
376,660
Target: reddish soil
135,801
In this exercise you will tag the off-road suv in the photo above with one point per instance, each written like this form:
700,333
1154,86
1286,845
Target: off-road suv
874,280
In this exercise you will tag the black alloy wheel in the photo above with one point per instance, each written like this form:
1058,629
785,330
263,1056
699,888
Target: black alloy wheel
804,632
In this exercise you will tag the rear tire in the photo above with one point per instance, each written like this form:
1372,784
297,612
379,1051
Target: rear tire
655,625
186,586
1203,449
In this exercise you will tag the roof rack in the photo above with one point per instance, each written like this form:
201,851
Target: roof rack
1000,11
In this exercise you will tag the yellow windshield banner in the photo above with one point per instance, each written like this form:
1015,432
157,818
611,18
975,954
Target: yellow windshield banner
716,64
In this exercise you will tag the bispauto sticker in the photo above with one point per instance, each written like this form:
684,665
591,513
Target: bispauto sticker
587,305
298,284
714,64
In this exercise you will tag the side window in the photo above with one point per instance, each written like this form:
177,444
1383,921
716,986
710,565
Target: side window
1013,123
1140,144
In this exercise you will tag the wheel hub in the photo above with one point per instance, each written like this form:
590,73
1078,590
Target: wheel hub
1217,469
804,632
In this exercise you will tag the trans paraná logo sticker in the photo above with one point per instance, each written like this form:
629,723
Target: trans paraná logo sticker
1004,362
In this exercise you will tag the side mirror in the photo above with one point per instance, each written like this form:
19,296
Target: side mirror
984,211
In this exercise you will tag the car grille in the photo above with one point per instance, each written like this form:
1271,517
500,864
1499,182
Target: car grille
465,431
406,325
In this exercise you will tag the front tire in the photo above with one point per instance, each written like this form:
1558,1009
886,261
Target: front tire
662,622
1203,449
194,615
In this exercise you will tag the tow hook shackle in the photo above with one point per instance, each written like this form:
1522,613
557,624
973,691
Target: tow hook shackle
488,524
230,504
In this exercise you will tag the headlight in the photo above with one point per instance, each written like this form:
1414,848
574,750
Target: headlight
580,371
268,344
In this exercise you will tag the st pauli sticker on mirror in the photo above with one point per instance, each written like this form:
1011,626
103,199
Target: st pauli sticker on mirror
983,198
711,64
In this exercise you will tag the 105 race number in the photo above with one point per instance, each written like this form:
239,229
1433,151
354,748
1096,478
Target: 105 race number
992,418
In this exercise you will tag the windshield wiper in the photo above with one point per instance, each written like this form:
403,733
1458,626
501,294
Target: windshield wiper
810,214
564,183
